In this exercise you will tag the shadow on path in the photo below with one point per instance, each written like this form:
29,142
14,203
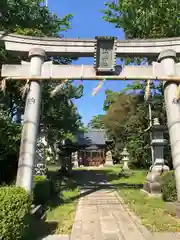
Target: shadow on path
88,181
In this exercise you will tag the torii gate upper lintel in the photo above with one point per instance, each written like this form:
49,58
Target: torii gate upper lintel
105,52
66,47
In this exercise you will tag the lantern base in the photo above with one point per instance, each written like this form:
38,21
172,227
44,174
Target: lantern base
125,173
75,164
125,166
152,184
109,163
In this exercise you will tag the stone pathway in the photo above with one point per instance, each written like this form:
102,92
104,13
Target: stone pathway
102,215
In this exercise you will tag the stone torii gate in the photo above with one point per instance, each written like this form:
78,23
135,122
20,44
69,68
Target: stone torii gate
104,50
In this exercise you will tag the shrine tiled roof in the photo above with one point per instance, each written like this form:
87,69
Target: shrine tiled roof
92,137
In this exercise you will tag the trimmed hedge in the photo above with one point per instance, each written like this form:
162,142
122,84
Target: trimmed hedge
42,190
168,187
14,213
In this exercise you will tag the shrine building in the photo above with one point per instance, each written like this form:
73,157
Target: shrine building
92,147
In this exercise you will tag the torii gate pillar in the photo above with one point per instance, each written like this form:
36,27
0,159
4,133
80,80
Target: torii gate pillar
167,59
31,123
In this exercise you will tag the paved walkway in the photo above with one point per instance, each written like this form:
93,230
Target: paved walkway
102,215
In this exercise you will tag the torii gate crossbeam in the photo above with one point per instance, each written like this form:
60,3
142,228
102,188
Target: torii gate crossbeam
50,71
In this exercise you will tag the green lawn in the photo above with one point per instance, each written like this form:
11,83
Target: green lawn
63,207
64,212
152,211
60,211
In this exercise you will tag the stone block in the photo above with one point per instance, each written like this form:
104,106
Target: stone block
152,184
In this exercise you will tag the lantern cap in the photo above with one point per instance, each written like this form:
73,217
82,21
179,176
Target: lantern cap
156,121
124,152
157,126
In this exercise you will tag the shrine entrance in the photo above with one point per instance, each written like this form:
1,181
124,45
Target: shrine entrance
164,52
92,147
92,156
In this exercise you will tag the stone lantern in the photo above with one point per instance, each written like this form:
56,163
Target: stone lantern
158,142
125,159
152,184
66,150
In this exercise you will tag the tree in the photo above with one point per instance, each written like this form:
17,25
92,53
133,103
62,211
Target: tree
127,119
97,122
111,97
9,144
145,18
59,114
124,121
28,18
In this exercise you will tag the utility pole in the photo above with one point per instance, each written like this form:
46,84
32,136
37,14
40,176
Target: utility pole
150,134
150,123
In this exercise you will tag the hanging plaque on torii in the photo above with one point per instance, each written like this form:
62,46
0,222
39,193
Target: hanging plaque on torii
105,55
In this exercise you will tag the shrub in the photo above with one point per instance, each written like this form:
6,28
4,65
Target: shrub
168,187
55,185
42,189
14,213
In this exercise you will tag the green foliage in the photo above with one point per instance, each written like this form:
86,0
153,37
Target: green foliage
142,19
168,187
9,147
29,18
14,213
127,118
42,190
111,98
97,122
145,18
59,115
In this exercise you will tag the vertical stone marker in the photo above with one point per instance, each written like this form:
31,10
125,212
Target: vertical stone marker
167,59
31,123
109,159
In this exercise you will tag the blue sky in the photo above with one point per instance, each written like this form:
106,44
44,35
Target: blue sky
88,23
